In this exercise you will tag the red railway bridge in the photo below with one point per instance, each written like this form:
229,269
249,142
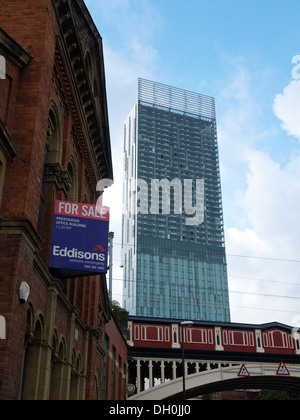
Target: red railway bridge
218,357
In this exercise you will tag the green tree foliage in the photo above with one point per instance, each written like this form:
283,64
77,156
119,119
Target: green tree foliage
279,395
120,316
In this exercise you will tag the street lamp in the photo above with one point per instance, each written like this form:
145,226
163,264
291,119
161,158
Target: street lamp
184,324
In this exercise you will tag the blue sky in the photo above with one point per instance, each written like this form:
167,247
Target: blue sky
240,52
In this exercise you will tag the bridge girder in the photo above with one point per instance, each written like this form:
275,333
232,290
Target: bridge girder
262,376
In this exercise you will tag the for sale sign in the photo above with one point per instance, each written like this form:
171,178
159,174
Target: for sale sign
80,238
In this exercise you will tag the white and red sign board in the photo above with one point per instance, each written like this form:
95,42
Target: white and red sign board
283,370
81,210
80,237
243,372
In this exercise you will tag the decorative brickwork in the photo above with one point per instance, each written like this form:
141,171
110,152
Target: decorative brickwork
54,144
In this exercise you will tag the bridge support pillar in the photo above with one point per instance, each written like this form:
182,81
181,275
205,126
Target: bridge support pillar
138,376
162,372
174,370
150,374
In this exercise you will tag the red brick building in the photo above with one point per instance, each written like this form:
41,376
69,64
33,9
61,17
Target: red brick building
54,144
115,363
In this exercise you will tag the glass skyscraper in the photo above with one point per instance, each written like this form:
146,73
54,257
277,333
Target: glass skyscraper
173,238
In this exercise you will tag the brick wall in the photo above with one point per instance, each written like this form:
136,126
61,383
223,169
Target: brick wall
116,378
62,324
33,26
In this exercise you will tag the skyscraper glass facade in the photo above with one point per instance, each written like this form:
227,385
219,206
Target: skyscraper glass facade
173,239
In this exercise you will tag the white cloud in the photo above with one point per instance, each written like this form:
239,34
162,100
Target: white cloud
287,108
129,19
132,55
122,75
263,195
261,198
271,202
261,202
273,196
238,119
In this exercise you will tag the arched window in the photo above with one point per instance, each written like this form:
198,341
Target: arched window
57,369
73,179
53,154
32,362
54,136
97,385
75,388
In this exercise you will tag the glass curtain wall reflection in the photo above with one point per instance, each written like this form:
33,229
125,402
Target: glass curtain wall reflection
174,264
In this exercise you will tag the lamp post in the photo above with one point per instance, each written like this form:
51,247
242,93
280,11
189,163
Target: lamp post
111,247
184,324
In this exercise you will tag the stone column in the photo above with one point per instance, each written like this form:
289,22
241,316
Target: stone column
150,374
174,371
138,369
46,348
162,367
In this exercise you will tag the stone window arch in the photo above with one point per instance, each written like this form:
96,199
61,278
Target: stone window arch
75,384
32,359
73,180
85,199
58,368
54,135
52,156
97,385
